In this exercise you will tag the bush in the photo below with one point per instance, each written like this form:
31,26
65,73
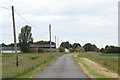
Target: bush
79,49
40,50
61,49
71,50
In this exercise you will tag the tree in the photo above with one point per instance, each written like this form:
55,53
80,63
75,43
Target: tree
44,42
65,45
90,47
4,45
71,50
75,45
61,49
79,49
102,50
25,38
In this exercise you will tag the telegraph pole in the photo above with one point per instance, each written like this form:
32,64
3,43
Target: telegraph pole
14,33
55,42
58,42
50,36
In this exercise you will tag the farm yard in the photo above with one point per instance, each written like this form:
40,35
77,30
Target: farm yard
29,64
98,65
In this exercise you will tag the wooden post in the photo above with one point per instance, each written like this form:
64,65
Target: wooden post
55,42
50,36
14,33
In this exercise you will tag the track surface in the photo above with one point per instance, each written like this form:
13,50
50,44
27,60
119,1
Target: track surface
64,67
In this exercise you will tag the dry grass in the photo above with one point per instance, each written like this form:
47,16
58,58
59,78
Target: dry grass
92,68
27,62
98,68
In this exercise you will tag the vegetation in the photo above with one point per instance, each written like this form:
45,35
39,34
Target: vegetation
66,45
71,50
61,49
25,38
90,47
80,49
27,64
94,70
75,45
44,43
110,49
41,50
110,62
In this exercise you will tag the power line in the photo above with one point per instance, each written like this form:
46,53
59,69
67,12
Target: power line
18,15
25,19
5,8
22,18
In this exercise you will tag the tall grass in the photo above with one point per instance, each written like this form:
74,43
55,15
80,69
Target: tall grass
110,62
27,62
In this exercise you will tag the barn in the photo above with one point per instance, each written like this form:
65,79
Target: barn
35,48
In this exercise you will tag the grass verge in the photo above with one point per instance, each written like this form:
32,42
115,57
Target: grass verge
92,69
29,64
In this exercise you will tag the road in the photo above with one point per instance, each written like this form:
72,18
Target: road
64,67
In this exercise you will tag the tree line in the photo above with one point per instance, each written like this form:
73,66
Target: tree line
25,39
76,47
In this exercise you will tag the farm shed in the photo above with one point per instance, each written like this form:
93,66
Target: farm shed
34,48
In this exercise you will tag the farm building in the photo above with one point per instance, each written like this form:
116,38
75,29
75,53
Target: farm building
42,48
9,50
33,49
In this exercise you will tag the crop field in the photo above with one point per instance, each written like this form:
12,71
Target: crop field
110,54
109,61
27,62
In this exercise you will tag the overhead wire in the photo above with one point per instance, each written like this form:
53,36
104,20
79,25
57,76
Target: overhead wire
19,16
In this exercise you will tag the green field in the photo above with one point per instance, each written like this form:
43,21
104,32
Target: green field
109,54
28,64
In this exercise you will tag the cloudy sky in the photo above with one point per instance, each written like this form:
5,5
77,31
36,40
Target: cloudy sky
82,21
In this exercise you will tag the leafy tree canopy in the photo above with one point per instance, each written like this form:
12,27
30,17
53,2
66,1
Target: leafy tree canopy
25,38
66,45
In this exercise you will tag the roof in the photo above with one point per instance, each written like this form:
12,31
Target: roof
8,48
41,46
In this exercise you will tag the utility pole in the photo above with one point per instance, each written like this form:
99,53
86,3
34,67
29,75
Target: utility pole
58,42
50,36
55,42
14,33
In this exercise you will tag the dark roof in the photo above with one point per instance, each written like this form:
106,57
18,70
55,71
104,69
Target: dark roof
8,48
41,46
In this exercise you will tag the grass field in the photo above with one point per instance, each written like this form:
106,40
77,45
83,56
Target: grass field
109,54
108,61
28,64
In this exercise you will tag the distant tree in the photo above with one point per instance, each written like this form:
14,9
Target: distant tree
25,38
97,50
102,50
110,49
71,50
61,49
106,46
44,43
4,45
65,45
90,47
75,45
79,49
11,45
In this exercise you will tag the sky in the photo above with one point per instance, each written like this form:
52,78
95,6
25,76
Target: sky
76,21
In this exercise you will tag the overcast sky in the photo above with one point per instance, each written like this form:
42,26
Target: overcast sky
82,21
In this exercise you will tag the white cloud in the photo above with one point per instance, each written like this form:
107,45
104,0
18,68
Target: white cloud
76,21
